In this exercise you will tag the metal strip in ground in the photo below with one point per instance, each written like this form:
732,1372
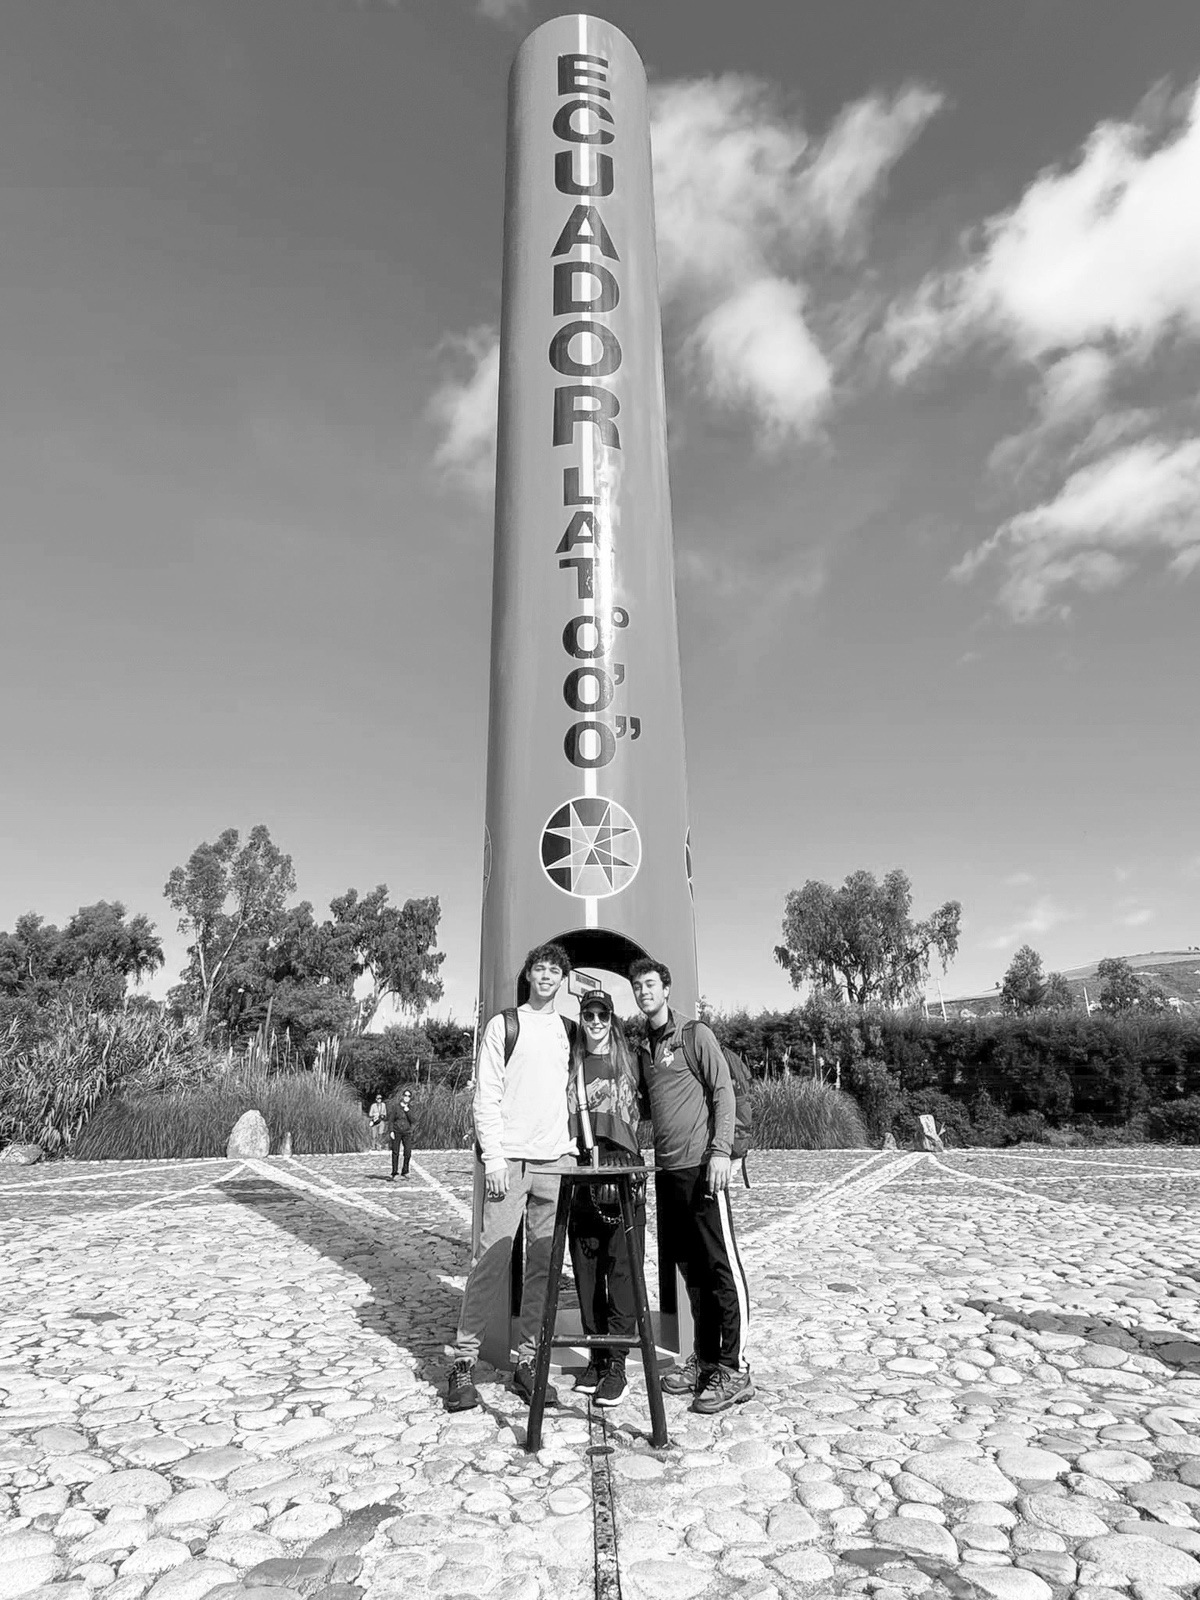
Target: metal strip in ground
604,1510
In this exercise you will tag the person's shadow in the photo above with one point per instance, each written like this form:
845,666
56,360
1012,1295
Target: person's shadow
413,1268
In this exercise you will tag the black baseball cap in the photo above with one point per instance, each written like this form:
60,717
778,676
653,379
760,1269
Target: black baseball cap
596,997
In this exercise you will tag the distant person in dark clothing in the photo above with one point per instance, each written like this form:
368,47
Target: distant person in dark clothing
602,1102
400,1130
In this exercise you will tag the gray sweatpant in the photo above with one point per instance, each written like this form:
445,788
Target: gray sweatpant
532,1194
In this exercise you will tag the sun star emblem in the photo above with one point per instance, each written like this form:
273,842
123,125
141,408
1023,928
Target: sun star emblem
591,848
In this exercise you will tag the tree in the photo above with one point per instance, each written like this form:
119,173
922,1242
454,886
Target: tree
861,940
1058,995
228,894
1024,987
1121,989
393,945
96,954
99,940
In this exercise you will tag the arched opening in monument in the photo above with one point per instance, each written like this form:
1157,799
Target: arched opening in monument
600,953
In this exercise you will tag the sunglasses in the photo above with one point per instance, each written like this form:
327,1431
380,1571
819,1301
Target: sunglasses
595,1016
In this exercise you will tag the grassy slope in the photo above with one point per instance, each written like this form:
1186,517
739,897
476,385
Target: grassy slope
1176,972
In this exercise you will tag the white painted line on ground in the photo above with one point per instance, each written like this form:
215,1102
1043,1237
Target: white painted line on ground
994,1183
1084,1162
147,1167
451,1200
154,1200
862,1180
327,1189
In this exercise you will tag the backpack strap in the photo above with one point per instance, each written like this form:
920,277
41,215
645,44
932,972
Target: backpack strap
687,1037
512,1030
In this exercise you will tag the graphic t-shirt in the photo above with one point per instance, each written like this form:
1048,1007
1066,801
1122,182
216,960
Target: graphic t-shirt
611,1100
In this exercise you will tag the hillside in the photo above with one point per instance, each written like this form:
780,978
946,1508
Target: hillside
1176,973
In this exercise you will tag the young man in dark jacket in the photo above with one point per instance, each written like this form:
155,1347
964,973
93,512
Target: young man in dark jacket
400,1131
693,1116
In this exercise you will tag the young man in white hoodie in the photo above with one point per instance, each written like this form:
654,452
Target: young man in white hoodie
521,1127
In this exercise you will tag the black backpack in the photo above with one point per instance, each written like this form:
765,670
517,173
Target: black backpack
743,1109
512,1030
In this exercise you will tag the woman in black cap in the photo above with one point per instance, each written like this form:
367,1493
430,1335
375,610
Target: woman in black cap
602,1099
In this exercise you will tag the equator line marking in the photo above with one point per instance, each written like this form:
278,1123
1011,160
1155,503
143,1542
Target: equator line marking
604,1510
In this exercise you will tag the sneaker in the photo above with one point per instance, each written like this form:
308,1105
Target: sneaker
522,1382
722,1387
589,1378
684,1379
612,1386
461,1393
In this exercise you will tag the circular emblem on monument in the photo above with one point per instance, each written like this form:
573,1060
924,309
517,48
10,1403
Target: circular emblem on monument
487,861
687,862
591,848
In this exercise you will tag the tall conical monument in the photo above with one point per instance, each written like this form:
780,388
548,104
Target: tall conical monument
587,826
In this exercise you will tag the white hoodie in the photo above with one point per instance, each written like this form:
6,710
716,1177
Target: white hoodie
520,1109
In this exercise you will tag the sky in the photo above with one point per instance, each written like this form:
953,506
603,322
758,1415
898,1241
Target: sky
934,408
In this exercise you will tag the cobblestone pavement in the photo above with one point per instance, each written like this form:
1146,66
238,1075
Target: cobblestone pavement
977,1375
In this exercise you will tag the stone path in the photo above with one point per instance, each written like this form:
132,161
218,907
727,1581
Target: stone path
978,1375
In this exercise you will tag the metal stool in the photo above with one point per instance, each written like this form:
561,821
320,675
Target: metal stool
622,1178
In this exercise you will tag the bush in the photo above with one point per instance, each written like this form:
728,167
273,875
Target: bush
1175,1121
878,1094
323,1118
443,1118
52,1080
951,1116
800,1114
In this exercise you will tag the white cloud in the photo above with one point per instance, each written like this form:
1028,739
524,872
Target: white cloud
1138,919
749,210
859,151
1090,276
789,576
755,349
1107,250
1043,915
1144,497
1019,880
463,410
503,10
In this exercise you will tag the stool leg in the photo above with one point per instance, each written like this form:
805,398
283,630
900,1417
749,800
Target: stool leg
658,1415
541,1368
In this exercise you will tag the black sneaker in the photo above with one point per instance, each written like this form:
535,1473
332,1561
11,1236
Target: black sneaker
722,1387
522,1382
685,1379
612,1386
461,1393
589,1378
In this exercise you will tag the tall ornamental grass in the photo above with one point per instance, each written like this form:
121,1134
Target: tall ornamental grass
801,1114
789,1114
443,1118
50,1085
322,1115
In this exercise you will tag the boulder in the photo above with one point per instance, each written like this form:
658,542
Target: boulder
21,1155
931,1136
250,1136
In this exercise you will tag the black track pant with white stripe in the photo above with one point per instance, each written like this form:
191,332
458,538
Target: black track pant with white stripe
698,1229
